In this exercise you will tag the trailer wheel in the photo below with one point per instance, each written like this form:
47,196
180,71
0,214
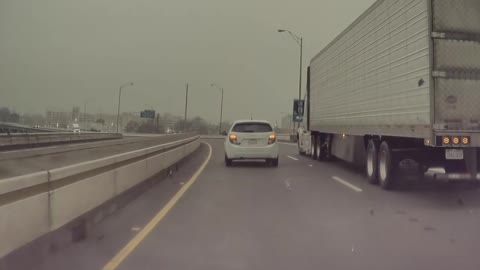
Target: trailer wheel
385,169
313,148
372,162
320,153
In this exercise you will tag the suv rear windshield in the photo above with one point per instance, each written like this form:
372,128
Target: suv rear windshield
252,128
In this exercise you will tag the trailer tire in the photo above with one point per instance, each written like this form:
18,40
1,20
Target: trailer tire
320,153
385,168
372,162
313,148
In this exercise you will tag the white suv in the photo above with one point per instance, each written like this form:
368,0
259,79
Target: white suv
251,139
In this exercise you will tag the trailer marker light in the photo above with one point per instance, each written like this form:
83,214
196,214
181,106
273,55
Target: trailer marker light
465,140
456,140
446,140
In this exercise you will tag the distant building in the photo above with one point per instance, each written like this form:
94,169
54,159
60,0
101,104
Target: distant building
58,119
85,118
75,114
65,119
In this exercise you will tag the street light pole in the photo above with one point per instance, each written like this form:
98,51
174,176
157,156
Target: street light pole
85,110
301,68
221,115
221,107
186,110
299,41
119,98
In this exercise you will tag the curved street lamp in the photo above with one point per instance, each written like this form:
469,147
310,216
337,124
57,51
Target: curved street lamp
299,41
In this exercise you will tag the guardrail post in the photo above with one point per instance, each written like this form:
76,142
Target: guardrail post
50,192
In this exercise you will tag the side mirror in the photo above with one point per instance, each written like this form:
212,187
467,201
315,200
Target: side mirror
224,133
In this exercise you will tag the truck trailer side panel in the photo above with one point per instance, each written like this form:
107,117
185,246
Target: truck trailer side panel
399,90
375,77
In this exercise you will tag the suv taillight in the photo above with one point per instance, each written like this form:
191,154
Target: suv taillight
233,138
272,139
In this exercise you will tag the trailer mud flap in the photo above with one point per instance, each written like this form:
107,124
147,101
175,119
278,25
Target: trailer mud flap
471,160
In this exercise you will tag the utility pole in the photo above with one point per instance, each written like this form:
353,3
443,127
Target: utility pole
221,115
85,112
221,107
186,110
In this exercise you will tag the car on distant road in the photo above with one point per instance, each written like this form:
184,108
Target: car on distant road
251,140
76,128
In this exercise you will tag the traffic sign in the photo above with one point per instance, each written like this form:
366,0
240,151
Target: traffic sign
147,114
298,110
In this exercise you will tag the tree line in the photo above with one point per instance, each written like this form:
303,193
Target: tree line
195,125
8,116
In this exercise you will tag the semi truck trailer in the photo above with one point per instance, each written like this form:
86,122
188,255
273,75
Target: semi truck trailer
399,91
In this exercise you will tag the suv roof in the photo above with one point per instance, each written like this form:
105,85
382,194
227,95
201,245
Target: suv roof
251,121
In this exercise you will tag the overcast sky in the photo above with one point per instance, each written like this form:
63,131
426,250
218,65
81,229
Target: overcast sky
61,53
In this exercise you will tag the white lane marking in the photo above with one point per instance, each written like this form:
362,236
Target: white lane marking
29,149
341,181
115,262
290,157
310,165
287,184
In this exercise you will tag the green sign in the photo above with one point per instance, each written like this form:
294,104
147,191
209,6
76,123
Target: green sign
147,114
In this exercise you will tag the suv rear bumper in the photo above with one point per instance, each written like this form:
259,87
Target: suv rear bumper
241,152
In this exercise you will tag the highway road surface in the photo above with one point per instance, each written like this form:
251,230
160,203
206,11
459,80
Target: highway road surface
302,215
25,161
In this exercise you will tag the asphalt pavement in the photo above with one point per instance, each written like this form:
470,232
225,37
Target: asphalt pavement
58,156
302,215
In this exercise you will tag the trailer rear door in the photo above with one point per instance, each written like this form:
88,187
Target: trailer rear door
456,62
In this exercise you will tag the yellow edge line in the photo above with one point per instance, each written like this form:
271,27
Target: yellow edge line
123,254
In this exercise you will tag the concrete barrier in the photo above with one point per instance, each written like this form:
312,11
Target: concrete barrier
9,155
287,137
23,221
37,139
219,137
40,203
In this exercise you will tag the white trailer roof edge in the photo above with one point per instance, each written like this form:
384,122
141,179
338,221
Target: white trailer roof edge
364,14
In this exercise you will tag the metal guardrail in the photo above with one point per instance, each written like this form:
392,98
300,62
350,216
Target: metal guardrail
46,201
12,128
38,139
